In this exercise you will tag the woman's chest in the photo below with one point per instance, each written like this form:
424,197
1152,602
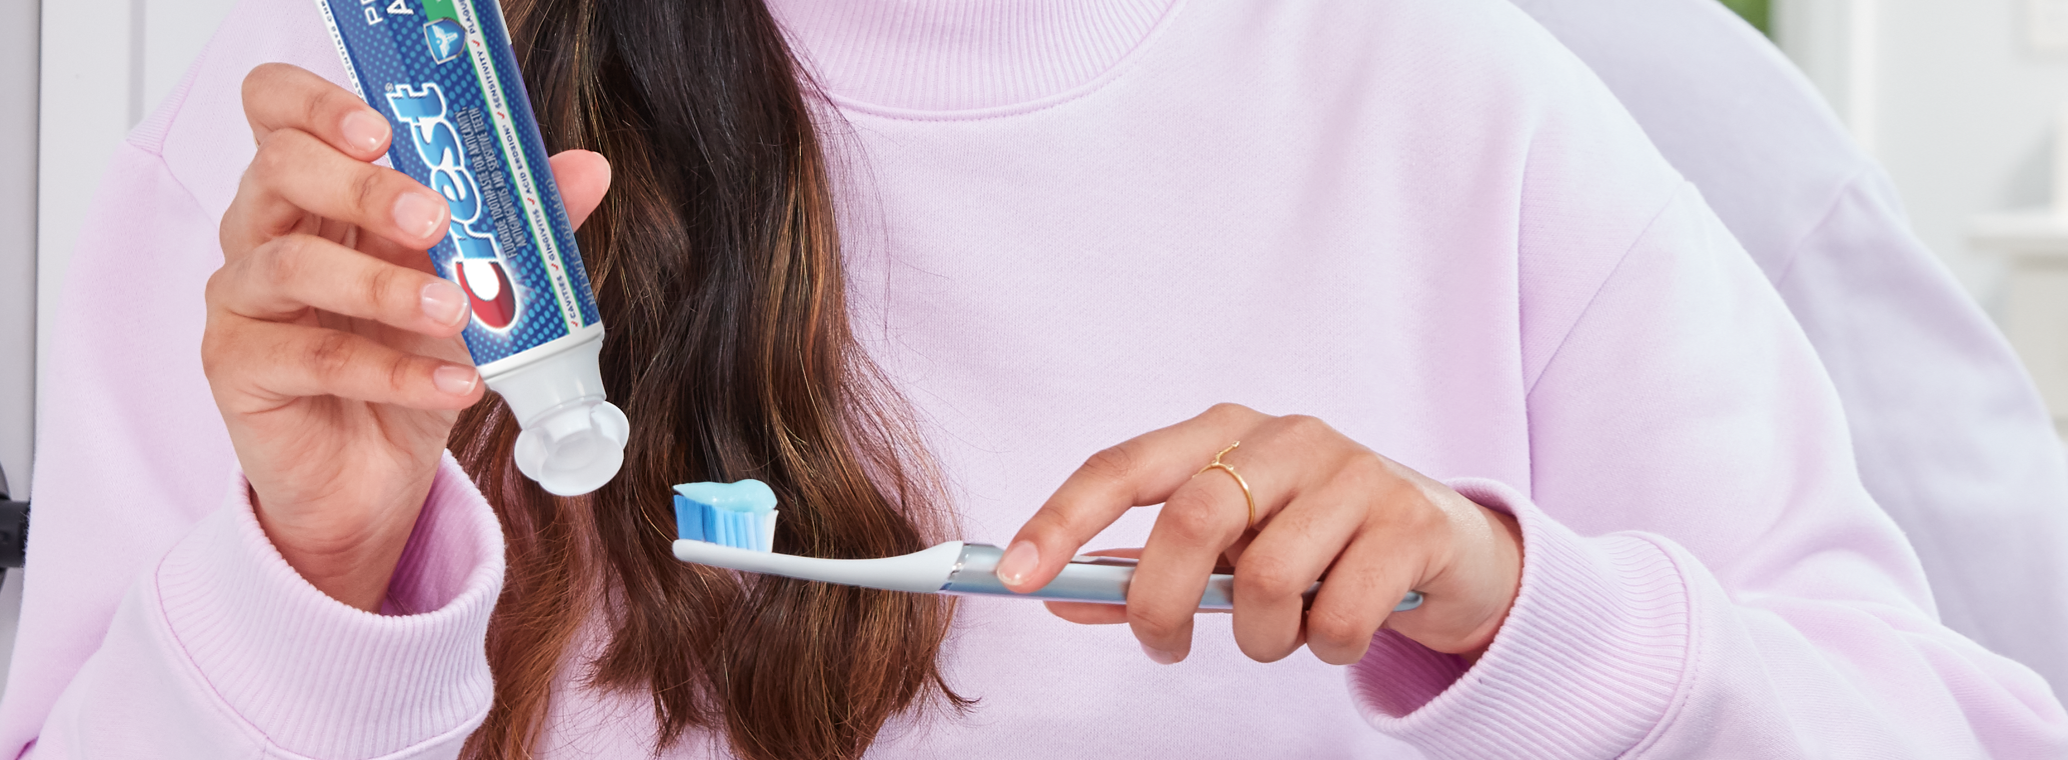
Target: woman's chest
1034,313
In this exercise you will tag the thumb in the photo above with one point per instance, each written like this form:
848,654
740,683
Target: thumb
583,177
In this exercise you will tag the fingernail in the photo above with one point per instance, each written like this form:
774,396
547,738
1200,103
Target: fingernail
364,130
1019,562
419,215
1161,657
458,381
444,303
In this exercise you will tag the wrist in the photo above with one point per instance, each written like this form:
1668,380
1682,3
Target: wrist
1475,581
1507,551
346,551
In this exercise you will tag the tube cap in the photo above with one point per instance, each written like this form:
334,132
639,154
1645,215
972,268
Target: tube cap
573,441
575,449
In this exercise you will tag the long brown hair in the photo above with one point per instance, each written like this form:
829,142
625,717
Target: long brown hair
716,265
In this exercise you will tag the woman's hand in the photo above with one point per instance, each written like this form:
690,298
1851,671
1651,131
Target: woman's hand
332,349
1324,505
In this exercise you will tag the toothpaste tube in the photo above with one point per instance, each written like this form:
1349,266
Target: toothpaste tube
443,74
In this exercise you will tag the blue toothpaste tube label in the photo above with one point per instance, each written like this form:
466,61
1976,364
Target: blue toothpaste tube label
443,74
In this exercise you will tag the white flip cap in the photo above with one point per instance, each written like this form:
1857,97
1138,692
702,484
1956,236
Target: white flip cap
573,441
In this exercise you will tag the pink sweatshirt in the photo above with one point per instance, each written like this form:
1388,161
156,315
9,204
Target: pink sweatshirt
1420,220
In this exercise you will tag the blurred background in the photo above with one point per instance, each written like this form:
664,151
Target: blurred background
1962,101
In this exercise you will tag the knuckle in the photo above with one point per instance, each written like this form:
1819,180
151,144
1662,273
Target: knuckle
276,263
380,286
282,262
329,354
277,157
259,80
1366,473
1050,523
1307,424
1269,576
1228,411
217,288
1304,430
1334,630
400,373
366,187
1113,463
331,104
322,107
213,359
1414,512
1432,522
1195,519
1149,626
233,232
267,161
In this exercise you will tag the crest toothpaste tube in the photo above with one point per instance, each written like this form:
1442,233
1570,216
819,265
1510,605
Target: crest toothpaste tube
443,74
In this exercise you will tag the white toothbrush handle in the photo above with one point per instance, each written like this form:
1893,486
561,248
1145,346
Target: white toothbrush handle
1098,580
923,572
958,568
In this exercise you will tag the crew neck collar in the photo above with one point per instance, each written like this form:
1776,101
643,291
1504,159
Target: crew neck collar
948,56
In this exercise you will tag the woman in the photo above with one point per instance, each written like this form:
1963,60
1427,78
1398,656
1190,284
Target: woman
1413,229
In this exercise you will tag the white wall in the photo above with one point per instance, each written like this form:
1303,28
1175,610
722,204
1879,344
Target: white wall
17,238
17,269
1966,117
1957,98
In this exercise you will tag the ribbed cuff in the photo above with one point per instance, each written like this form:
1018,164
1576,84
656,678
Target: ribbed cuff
322,679
1586,664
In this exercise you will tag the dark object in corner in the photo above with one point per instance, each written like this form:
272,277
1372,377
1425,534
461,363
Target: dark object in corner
14,527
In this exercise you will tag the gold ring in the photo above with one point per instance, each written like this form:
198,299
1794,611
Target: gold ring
1246,496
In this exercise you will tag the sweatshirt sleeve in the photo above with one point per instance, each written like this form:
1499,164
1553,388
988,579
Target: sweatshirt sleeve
157,620
223,650
1703,574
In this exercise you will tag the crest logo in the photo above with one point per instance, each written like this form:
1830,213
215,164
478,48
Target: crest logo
479,264
445,37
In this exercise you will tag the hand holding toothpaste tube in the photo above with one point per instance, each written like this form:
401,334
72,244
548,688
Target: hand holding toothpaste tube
332,348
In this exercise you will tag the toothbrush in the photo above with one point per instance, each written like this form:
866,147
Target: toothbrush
732,525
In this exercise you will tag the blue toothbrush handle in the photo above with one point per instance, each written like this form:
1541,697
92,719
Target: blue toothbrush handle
1098,580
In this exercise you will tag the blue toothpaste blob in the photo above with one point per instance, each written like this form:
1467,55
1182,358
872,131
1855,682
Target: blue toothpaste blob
442,72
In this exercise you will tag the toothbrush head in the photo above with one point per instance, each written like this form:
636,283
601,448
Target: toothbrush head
741,515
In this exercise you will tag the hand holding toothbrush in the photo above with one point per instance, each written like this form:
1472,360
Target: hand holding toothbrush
1323,504
331,349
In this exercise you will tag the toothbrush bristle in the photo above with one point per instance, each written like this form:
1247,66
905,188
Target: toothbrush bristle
741,515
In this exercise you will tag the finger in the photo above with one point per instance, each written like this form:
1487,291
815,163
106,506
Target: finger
1144,470
1088,613
583,176
295,174
1130,552
1199,522
279,96
1207,518
1370,577
387,250
287,276
271,363
1093,613
1302,541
